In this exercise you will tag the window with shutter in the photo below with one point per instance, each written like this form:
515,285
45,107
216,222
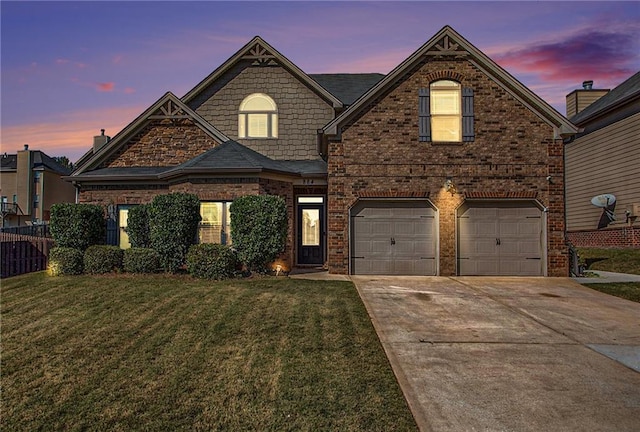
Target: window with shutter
445,113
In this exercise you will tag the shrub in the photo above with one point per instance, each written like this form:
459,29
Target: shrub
100,259
138,226
212,261
259,229
173,227
77,225
141,260
65,261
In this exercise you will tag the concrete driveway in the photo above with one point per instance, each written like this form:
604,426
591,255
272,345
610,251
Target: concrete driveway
509,354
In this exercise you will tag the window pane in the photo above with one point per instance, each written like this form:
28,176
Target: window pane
227,228
258,126
445,102
274,125
310,227
445,83
310,200
242,131
258,102
211,224
445,128
123,218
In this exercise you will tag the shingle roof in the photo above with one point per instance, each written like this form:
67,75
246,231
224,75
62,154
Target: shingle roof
230,155
347,87
627,89
39,160
9,161
226,157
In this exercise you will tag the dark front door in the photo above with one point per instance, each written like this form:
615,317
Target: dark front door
311,234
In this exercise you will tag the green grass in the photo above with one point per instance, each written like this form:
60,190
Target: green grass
160,353
613,260
627,290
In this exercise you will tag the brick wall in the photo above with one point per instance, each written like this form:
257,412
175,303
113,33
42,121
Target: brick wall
162,143
623,237
207,190
301,112
513,152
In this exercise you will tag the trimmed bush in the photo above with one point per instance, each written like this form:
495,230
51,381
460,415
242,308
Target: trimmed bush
65,261
173,227
212,261
141,260
259,229
138,226
100,259
77,225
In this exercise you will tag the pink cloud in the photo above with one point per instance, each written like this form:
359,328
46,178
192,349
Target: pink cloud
129,90
116,59
105,87
61,61
601,56
69,134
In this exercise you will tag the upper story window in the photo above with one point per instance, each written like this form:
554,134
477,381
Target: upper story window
446,113
258,117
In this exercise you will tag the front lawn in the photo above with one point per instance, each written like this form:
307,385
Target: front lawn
159,352
626,290
612,260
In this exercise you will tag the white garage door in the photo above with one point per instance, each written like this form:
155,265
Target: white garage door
500,239
393,238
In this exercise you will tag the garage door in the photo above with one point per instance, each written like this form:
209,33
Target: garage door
395,238
500,239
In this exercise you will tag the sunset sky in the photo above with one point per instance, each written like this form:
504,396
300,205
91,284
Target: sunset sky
72,68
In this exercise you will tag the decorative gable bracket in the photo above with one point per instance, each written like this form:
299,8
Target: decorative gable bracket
446,47
260,56
169,110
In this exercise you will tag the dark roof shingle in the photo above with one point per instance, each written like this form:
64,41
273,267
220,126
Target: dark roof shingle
347,87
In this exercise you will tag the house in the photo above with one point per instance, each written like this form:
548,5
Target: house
30,183
603,166
447,165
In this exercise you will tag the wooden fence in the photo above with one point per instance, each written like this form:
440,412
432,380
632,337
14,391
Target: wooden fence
23,254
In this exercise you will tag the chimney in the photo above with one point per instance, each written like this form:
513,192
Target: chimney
579,99
100,140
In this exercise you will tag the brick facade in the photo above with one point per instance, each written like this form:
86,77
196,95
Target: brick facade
622,237
300,111
513,151
162,143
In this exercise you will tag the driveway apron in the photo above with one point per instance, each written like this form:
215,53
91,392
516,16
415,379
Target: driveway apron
512,354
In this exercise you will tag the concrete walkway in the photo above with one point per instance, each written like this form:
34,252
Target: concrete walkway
598,276
514,354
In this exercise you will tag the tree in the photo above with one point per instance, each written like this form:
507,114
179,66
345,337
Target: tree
64,161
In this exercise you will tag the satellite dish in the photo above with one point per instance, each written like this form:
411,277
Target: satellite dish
604,200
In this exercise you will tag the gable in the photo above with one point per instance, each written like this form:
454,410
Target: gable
167,134
302,105
256,53
448,45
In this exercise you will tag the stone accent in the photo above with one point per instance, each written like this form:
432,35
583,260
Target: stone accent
162,143
301,112
513,153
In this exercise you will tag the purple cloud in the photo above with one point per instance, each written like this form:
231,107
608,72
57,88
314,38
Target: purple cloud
590,54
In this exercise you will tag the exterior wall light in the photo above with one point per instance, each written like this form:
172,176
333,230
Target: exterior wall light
450,187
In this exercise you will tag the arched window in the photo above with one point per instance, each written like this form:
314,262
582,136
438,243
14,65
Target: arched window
258,117
446,113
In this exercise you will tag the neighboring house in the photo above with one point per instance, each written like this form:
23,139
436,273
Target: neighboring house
30,183
447,165
603,160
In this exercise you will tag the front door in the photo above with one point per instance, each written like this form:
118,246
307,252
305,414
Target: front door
311,230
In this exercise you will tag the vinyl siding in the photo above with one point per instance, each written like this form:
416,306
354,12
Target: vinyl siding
604,161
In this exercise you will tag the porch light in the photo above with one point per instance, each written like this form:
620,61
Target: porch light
450,187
